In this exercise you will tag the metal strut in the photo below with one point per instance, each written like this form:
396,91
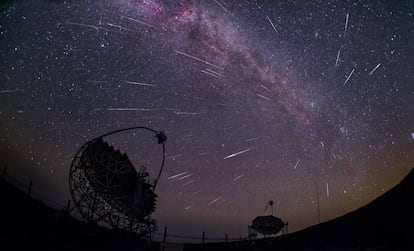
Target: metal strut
161,137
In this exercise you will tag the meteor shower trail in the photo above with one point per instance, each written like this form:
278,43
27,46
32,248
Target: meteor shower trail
259,101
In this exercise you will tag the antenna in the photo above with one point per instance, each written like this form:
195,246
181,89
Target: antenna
270,203
317,201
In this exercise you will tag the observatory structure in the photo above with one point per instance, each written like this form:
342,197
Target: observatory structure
267,225
107,190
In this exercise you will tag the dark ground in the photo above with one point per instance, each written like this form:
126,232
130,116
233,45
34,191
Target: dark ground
387,223
384,224
29,225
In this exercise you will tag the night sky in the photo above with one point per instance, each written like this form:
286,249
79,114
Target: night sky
261,100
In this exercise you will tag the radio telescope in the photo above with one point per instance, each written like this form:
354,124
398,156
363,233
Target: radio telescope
267,225
107,190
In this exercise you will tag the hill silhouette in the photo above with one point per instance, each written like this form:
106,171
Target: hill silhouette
384,224
387,223
27,224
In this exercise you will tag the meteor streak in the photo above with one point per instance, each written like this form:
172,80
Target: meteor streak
270,21
346,23
337,58
199,59
238,153
264,97
128,109
186,113
137,21
209,73
349,76
222,6
212,73
8,91
264,87
238,177
251,139
327,189
215,200
118,26
185,176
188,183
92,26
375,68
297,164
177,175
138,83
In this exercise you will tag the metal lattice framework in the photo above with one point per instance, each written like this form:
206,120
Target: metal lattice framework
107,190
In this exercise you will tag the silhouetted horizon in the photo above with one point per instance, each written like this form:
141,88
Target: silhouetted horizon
308,104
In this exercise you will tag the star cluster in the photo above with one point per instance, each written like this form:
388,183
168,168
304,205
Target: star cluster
305,103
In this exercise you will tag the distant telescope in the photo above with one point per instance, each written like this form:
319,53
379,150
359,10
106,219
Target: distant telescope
267,225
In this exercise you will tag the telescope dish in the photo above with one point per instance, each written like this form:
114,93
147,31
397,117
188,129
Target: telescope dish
107,189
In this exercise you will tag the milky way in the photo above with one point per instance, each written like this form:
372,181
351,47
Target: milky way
299,102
